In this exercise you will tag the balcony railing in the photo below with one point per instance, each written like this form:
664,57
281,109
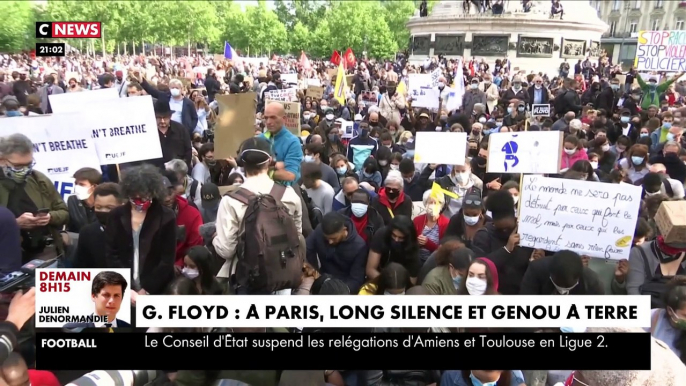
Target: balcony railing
619,35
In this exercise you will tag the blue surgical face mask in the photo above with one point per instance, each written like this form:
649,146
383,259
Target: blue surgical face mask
637,160
667,125
359,209
499,124
615,87
509,110
308,158
342,170
477,382
670,137
625,119
456,281
646,134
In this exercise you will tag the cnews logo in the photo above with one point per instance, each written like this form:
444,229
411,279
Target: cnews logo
68,29
60,170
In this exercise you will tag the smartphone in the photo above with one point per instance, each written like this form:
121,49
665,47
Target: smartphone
42,212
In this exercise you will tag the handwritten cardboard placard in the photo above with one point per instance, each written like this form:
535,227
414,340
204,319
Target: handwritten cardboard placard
285,95
537,152
292,117
235,123
315,92
590,218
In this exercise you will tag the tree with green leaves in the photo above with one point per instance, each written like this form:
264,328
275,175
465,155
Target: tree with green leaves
17,27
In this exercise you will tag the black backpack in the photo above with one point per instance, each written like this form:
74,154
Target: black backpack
655,286
191,197
268,254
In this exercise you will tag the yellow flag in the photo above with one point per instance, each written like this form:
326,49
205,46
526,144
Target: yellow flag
436,189
341,85
401,89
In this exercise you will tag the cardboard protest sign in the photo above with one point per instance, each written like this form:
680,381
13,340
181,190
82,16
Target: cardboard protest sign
671,221
74,101
62,144
331,72
235,123
315,92
537,152
445,148
591,218
292,117
285,95
314,82
289,79
660,51
540,110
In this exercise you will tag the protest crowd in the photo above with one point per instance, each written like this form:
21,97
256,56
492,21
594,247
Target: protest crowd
324,157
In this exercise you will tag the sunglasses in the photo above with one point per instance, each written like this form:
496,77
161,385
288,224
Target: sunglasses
472,202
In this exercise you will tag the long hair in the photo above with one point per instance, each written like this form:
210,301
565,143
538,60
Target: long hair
490,280
202,257
405,225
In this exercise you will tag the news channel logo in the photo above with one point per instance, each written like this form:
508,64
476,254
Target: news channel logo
83,298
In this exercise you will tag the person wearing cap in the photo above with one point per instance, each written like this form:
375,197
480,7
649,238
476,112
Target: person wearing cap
120,83
183,109
174,138
255,154
11,106
625,127
210,202
515,92
652,91
472,96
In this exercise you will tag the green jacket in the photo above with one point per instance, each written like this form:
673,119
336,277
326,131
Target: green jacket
42,192
654,99
439,282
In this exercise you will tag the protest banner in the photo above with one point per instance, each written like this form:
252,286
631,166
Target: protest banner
292,117
348,128
315,92
75,101
540,110
289,79
285,95
417,82
661,51
235,123
426,97
445,148
62,144
314,82
591,218
536,152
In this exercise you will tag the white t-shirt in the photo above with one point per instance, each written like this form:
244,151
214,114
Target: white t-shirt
177,108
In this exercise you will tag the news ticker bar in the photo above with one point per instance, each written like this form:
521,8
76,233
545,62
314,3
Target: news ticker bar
284,351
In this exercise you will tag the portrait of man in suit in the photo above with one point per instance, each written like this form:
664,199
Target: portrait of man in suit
107,293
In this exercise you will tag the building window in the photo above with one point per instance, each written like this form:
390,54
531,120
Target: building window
658,4
637,4
616,5
655,24
613,27
628,53
633,26
679,25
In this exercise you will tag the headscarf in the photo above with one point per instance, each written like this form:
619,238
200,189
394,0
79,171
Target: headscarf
493,269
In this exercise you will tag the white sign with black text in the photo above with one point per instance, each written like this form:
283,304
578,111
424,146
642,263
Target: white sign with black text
540,110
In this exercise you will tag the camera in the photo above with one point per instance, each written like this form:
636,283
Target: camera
117,378
25,277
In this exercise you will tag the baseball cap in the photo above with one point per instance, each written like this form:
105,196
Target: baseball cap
358,117
423,115
210,196
472,199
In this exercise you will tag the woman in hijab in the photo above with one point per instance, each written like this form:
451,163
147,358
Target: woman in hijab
481,279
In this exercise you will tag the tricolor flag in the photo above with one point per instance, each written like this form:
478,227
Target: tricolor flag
231,54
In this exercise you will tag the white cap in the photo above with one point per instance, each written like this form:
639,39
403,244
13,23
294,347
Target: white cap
358,117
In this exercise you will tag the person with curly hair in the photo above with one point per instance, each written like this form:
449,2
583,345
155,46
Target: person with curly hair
142,233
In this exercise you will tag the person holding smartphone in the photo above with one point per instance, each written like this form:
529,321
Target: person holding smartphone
31,196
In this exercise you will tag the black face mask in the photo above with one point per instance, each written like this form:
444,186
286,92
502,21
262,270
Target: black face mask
502,234
481,161
396,245
102,217
392,193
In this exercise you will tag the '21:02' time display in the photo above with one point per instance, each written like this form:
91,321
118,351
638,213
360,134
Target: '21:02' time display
51,49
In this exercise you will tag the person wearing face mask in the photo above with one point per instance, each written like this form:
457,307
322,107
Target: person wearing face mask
560,274
572,152
81,203
188,218
491,91
673,187
515,92
198,267
89,252
314,152
669,324
394,243
391,103
661,135
652,91
448,268
499,241
516,113
361,147
472,96
636,162
202,171
469,219
482,378
364,217
460,181
184,111
210,202
481,279
431,225
538,94
392,201
141,234
609,96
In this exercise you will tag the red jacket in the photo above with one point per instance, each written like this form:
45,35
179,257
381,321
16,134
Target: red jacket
419,223
191,219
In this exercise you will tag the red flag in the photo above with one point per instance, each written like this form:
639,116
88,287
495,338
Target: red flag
304,62
349,58
335,58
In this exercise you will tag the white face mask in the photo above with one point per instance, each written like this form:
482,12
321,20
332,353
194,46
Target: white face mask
476,286
175,92
306,116
516,199
190,273
594,165
474,86
394,167
439,128
383,163
441,84
462,177
82,192
388,293
329,117
471,220
570,151
605,147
